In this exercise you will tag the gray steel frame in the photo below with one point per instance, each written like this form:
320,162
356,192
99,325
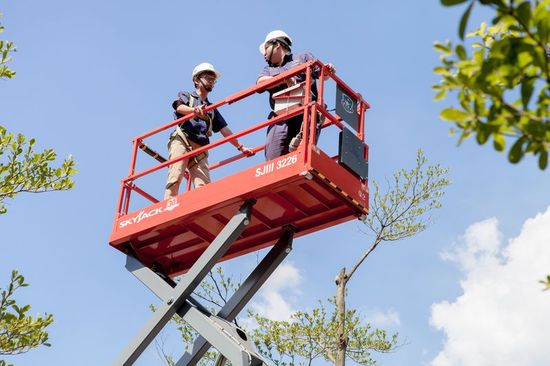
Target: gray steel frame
216,330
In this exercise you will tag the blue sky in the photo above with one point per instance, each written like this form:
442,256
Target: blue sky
92,75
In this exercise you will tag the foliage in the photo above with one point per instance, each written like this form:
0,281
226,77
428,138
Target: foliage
307,336
546,283
332,332
503,85
24,170
215,290
6,47
19,332
21,168
403,210
188,335
312,335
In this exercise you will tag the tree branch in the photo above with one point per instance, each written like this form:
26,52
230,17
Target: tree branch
363,257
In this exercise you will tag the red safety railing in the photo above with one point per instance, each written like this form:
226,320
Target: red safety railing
309,110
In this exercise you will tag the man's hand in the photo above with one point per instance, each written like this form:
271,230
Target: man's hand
360,104
290,82
247,151
199,110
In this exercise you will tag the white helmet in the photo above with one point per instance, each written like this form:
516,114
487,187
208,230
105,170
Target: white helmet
205,66
273,35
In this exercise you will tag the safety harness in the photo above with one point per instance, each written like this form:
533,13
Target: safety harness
184,139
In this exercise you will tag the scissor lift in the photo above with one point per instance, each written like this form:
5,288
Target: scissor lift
265,205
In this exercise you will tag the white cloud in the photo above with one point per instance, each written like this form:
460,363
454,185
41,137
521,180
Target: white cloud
277,294
502,317
383,319
480,244
286,276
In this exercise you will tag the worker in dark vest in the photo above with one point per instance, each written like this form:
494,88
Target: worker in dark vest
276,50
196,132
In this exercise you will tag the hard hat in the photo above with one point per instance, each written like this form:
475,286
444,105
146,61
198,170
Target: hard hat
205,66
274,35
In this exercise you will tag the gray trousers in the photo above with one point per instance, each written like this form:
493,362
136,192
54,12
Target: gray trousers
279,136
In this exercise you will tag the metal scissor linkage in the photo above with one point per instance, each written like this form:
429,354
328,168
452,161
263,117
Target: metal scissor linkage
214,330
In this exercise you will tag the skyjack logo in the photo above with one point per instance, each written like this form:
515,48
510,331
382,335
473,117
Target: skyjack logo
347,103
171,204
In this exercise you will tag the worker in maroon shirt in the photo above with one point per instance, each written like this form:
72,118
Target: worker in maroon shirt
276,50
195,132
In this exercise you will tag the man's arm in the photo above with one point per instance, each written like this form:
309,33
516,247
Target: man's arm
226,131
289,82
261,79
185,109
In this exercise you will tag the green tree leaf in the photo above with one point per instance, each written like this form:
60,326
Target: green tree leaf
524,13
527,87
546,283
464,20
461,52
543,160
499,142
441,95
452,2
443,48
453,114
498,3
483,134
516,152
542,21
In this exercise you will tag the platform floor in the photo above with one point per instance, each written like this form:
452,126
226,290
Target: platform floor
288,191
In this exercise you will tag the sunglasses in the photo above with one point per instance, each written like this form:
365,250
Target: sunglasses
208,77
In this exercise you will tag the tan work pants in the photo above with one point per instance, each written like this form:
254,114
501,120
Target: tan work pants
199,173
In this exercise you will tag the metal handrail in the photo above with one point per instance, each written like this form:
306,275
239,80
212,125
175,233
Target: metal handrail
308,109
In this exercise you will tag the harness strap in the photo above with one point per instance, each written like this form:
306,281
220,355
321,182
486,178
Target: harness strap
209,118
182,137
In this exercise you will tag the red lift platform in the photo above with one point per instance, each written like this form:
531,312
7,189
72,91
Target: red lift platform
259,206
306,189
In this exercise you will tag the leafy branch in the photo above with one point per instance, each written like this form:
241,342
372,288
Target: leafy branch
23,170
19,332
403,210
495,85
310,335
6,47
